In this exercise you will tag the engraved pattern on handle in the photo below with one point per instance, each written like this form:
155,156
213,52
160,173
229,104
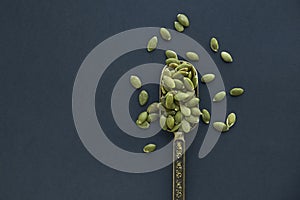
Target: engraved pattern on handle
179,167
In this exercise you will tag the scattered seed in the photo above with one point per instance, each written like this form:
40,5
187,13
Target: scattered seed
236,91
214,45
144,125
143,97
219,96
149,148
178,26
207,78
152,44
226,57
205,116
231,119
142,118
183,20
220,126
165,34
135,82
171,54
192,56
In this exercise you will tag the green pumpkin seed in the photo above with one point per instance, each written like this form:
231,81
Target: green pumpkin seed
192,119
171,54
173,65
172,60
226,57
219,96
135,82
231,119
236,91
207,78
152,44
180,74
152,117
196,111
214,45
175,128
149,148
142,118
169,101
183,19
181,96
169,82
170,122
143,97
178,26
178,117
178,84
162,122
183,65
185,110
195,81
153,108
144,125
167,72
192,56
185,125
165,34
220,126
205,116
188,84
193,102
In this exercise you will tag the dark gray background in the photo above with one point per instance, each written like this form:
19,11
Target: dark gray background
42,46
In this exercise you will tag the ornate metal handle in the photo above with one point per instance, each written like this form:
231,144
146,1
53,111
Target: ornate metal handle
179,166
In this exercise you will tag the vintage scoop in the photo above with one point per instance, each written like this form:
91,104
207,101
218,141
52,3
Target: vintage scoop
179,114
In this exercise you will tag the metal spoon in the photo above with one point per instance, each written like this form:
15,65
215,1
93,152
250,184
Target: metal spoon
179,141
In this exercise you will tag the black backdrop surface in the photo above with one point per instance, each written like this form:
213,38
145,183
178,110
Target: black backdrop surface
42,46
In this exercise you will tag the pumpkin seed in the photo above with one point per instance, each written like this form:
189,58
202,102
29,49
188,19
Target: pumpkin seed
162,122
178,26
167,72
135,82
192,56
180,74
170,122
231,119
169,82
143,97
236,91
193,102
188,84
169,101
175,128
149,148
144,125
185,110
183,65
226,57
152,44
173,65
185,125
178,84
152,117
219,96
220,126
195,81
172,60
214,45
207,78
192,119
178,117
181,96
165,34
171,54
152,108
205,116
183,20
142,118
196,111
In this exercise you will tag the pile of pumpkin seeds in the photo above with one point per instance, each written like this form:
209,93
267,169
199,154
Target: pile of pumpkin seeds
178,109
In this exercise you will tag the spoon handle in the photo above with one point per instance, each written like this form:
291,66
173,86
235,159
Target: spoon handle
178,166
